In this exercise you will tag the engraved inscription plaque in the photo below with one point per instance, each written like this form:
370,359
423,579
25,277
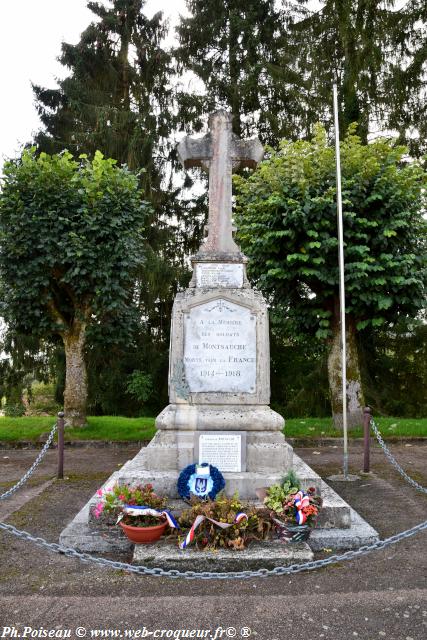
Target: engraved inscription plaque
220,348
223,450
215,274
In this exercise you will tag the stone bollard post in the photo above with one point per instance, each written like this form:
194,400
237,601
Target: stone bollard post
61,422
367,415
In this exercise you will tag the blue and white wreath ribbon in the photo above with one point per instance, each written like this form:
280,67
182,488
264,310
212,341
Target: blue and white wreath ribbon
201,480
133,510
198,521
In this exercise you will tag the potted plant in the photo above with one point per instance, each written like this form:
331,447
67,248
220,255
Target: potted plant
223,523
293,511
138,510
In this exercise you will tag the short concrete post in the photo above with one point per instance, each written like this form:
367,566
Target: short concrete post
367,416
61,421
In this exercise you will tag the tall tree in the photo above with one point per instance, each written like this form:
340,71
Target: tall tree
233,47
70,243
406,84
375,50
117,97
287,220
273,65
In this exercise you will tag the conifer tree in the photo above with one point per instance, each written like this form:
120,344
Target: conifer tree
233,47
375,51
117,96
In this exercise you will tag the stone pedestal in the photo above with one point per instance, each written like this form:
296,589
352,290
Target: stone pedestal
219,378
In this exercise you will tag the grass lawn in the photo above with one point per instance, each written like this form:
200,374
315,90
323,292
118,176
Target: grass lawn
114,428
323,427
99,428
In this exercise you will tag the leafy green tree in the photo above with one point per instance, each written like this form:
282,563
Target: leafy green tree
286,214
70,243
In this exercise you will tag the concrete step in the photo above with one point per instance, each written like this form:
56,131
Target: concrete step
257,555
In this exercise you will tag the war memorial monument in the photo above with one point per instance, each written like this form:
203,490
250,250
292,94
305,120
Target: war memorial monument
219,376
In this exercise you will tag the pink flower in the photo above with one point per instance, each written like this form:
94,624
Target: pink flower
99,492
99,508
122,497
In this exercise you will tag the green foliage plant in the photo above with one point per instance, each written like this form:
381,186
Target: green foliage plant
280,499
140,386
279,494
14,410
71,239
286,214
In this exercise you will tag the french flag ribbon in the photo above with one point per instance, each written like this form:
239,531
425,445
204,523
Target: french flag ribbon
301,500
224,525
133,510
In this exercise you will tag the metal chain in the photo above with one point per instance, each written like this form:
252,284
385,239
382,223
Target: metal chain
393,461
210,575
31,470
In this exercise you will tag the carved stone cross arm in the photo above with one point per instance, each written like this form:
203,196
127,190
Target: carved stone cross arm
220,151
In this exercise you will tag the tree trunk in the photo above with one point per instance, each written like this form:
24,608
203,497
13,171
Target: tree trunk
355,402
75,394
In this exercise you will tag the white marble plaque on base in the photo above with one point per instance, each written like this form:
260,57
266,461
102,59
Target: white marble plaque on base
220,348
216,274
224,450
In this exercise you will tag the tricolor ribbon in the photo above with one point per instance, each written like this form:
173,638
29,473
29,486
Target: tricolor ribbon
301,500
224,525
132,510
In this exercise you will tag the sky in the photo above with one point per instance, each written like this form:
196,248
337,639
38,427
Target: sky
31,32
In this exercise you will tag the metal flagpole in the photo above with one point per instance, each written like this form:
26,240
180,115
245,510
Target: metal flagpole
342,289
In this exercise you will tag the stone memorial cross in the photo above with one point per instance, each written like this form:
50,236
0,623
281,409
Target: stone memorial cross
220,151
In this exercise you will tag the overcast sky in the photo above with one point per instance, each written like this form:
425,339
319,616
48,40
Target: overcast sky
31,32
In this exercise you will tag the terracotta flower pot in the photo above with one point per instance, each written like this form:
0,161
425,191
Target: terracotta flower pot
144,535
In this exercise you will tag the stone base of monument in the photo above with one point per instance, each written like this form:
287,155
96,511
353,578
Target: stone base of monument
339,526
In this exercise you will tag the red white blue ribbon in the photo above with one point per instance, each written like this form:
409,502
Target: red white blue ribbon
133,510
301,500
223,525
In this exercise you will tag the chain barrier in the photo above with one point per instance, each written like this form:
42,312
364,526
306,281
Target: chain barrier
393,461
211,575
31,470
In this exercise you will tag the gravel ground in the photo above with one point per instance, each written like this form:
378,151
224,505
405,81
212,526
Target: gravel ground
382,595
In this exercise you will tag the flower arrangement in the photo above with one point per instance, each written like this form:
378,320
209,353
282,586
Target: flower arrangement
222,523
113,500
290,505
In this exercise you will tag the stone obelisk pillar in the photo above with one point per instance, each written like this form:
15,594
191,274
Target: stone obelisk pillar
219,375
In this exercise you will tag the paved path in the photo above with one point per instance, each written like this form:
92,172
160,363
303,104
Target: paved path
383,595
